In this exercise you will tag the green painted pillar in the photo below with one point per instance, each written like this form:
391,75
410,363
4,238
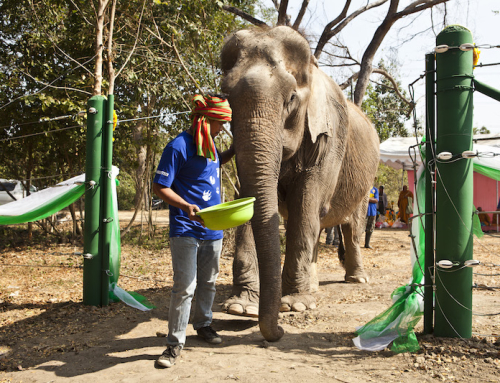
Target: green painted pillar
92,258
106,205
454,188
430,138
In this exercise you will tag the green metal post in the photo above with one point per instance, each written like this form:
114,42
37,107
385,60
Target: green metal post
487,90
454,188
92,258
106,205
430,137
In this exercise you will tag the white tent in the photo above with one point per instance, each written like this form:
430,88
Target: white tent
395,152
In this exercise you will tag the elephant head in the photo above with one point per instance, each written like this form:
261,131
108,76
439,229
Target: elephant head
284,108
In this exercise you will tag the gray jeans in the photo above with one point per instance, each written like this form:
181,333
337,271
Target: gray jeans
196,266
370,223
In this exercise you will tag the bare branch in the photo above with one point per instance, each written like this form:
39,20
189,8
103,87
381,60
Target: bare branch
99,47
136,39
244,15
391,17
301,14
236,191
111,69
282,16
72,59
54,44
349,81
418,6
81,13
53,86
184,67
386,74
158,35
341,23
395,86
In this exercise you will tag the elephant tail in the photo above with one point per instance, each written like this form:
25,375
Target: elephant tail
341,250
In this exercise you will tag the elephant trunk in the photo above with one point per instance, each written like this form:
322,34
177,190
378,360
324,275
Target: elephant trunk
258,167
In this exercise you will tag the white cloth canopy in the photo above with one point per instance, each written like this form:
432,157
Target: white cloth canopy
35,200
394,152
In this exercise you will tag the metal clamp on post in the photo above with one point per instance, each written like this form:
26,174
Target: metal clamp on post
107,220
87,256
92,110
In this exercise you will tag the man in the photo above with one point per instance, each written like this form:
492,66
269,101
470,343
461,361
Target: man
371,214
188,180
382,201
332,235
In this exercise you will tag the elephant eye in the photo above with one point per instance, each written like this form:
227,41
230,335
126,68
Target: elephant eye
293,97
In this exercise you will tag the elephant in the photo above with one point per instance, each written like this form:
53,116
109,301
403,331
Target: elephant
303,151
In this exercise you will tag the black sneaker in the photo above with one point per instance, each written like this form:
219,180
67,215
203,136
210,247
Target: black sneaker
167,359
209,335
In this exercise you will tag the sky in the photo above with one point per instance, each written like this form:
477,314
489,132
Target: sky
476,15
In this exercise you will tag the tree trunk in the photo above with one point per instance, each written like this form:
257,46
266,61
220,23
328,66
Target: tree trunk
99,47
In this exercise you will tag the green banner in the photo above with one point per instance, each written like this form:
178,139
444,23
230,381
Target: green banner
47,209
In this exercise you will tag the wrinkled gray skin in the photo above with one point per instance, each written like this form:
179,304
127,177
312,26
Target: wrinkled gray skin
300,146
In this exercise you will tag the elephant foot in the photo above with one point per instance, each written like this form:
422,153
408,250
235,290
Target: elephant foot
297,302
241,306
356,278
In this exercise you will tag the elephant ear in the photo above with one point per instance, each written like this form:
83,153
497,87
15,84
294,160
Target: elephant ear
327,107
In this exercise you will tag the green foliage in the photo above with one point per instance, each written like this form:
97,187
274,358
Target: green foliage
137,237
483,130
125,191
47,63
385,109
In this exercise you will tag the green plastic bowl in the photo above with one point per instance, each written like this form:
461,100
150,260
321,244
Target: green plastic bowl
229,214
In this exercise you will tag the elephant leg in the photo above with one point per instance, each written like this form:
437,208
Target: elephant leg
244,298
353,263
300,271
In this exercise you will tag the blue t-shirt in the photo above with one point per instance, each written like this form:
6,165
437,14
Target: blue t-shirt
194,178
372,207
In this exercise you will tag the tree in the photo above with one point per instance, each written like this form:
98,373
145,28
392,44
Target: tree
387,111
394,13
53,60
483,130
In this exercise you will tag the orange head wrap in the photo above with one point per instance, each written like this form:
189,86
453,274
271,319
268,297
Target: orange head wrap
211,107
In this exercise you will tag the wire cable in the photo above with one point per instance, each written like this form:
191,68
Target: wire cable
49,84
40,133
44,120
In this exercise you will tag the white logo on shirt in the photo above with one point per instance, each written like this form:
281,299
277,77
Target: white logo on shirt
207,195
161,172
217,190
212,180
218,176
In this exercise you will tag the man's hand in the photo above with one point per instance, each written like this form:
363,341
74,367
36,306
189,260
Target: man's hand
172,198
192,210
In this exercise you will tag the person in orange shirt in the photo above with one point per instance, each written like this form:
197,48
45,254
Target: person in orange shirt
404,203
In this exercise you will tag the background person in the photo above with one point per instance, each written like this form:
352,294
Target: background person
404,203
332,236
483,217
371,214
382,201
188,179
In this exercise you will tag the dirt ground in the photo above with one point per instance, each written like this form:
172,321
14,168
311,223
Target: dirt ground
48,335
